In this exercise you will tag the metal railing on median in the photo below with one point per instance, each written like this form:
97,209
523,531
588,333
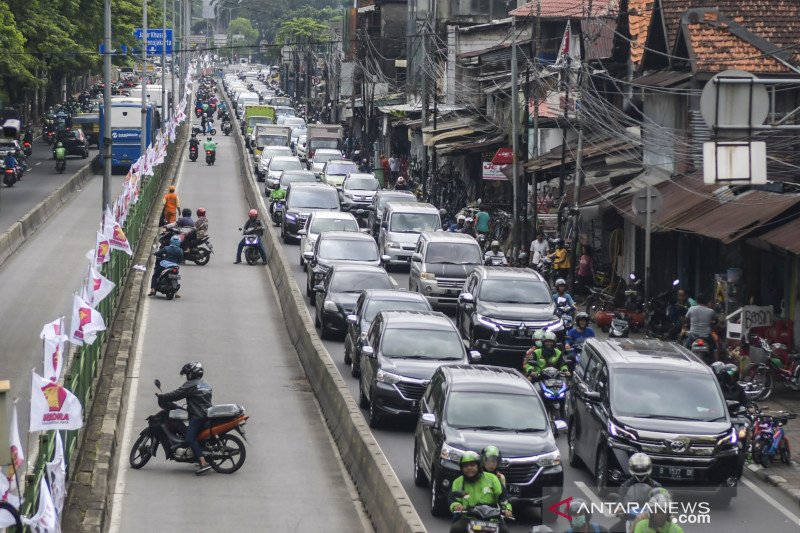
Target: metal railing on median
85,362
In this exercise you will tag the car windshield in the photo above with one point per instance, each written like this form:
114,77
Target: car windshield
376,306
288,164
348,250
362,184
385,198
515,291
406,343
318,225
340,169
286,179
318,198
497,410
651,393
252,121
359,281
324,158
453,253
333,144
273,152
414,222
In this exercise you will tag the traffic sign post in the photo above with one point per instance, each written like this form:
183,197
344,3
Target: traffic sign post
121,50
647,202
155,40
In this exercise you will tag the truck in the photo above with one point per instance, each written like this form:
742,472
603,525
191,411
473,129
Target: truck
269,135
255,114
323,136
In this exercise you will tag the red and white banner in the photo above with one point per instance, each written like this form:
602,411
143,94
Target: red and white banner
113,232
96,288
53,406
17,455
53,354
53,329
86,322
102,251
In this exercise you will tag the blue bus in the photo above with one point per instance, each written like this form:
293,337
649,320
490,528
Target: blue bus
126,131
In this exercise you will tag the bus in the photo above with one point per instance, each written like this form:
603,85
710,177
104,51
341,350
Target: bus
126,132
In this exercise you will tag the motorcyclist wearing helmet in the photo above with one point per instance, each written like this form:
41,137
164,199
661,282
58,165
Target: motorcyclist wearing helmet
186,220
561,260
194,141
253,226
581,518
201,224
561,292
728,377
197,394
469,227
478,488
210,145
171,253
579,332
538,337
494,256
640,467
10,161
658,518
400,184
458,227
538,359
490,461
60,152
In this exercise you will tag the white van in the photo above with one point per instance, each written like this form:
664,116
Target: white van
401,226
245,99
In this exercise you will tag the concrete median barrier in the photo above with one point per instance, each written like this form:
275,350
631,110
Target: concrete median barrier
384,497
34,219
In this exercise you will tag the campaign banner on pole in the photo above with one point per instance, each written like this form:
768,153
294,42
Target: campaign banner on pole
53,406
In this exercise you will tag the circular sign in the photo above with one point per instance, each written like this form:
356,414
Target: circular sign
739,103
639,203
315,80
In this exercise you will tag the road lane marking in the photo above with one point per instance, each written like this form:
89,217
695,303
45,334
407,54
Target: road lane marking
592,497
37,164
772,501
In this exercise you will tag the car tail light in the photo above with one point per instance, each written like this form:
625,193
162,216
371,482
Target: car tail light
174,270
701,342
209,152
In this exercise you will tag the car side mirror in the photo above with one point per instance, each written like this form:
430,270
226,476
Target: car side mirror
416,257
308,256
427,419
474,356
352,319
318,287
368,352
386,258
466,298
733,406
561,425
591,396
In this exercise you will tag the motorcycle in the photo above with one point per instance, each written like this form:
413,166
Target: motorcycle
482,518
49,136
252,243
193,152
770,440
620,325
778,364
27,149
565,312
223,450
10,176
495,260
61,165
167,283
702,349
276,208
226,127
658,323
199,252
211,156
553,387
633,504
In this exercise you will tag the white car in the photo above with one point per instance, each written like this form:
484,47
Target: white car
300,149
320,221
278,164
322,156
262,161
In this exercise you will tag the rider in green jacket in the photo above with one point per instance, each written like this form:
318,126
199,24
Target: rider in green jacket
475,487
548,355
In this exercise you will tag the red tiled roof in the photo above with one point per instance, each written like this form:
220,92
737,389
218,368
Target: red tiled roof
640,13
562,9
716,49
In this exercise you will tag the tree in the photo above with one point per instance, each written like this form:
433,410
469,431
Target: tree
15,64
301,29
242,36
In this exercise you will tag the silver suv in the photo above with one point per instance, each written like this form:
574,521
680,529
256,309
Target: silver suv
440,265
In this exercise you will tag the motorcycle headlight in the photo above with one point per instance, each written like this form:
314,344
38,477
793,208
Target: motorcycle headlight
387,377
427,275
731,437
618,432
451,454
330,306
549,459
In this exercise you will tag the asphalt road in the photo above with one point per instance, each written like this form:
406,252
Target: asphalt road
228,318
758,507
39,181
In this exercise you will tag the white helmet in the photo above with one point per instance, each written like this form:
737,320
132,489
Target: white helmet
640,466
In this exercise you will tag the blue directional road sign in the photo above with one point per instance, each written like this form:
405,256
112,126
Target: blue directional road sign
154,40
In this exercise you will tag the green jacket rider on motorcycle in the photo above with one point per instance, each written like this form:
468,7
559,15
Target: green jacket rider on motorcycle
60,152
548,355
277,194
476,487
210,145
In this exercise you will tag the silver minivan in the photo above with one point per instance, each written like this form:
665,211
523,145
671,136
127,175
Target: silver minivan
400,228
440,265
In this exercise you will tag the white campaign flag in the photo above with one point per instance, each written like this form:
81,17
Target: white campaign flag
46,519
53,406
53,355
57,475
86,322
6,520
97,287
113,232
17,455
53,329
102,251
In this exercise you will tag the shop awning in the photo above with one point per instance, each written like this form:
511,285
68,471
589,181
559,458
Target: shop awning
591,148
785,237
452,134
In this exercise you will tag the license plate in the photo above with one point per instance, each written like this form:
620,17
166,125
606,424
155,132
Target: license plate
675,473
516,490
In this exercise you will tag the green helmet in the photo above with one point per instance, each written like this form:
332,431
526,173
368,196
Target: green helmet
549,336
538,335
469,457
491,452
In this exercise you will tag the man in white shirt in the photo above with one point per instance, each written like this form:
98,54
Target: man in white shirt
540,248
394,167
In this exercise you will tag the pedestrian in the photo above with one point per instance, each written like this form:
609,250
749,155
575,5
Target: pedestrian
171,205
561,261
482,222
384,162
394,167
540,248
585,270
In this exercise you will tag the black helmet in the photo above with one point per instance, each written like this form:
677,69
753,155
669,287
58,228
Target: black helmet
579,507
186,212
730,375
192,370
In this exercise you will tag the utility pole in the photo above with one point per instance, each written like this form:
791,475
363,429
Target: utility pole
525,156
536,52
172,62
143,135
647,233
514,139
106,133
434,159
424,166
163,63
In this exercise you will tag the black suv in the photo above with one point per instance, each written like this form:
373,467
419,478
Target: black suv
400,354
500,309
368,305
653,397
466,408
301,199
74,141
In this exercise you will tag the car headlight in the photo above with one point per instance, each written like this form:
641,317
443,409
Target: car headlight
394,244
291,217
486,322
730,438
451,454
618,432
387,377
549,459
427,275
331,306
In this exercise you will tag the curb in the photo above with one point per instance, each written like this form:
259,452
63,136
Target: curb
91,488
384,497
777,481
20,231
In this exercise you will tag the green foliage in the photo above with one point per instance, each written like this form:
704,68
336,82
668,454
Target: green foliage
301,29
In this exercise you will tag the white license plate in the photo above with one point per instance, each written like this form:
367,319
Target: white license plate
516,490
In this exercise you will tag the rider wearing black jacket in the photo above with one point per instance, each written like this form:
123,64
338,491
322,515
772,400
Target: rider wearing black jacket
253,226
197,394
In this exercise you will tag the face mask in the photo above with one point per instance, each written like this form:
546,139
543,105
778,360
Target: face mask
578,521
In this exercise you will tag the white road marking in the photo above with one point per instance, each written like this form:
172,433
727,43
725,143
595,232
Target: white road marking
772,501
592,497
38,163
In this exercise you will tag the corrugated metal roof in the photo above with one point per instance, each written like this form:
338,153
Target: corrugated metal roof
785,237
662,78
562,9
599,37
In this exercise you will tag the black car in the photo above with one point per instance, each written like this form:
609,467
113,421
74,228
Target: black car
335,297
301,200
368,305
338,247
74,141
653,397
400,354
466,408
379,202
501,308
290,176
